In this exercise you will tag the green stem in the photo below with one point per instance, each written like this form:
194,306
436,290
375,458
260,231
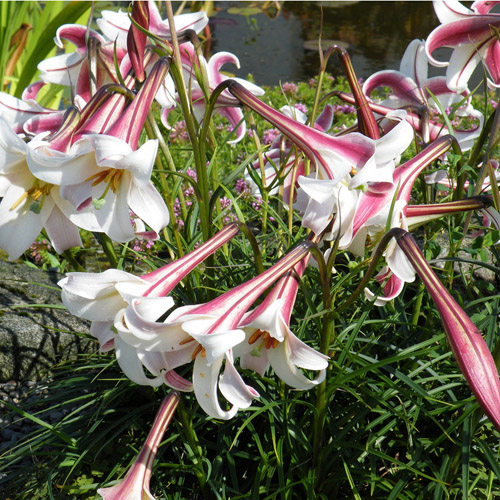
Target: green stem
192,439
107,245
199,157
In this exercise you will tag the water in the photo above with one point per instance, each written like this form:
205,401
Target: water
377,34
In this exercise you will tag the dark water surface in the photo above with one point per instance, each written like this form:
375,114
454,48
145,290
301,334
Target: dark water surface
377,34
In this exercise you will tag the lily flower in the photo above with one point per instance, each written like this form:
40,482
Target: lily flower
65,69
373,210
28,204
466,342
333,157
412,88
473,34
99,297
205,333
116,25
226,105
135,484
429,130
20,112
270,342
104,175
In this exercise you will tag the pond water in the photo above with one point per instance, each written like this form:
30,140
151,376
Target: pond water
272,49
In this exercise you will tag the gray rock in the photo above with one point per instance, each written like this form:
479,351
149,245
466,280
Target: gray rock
36,332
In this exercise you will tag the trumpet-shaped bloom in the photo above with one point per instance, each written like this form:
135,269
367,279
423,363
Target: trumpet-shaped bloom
205,333
334,159
467,344
321,200
99,297
116,25
102,176
411,87
270,342
373,210
135,484
471,33
226,104
430,130
27,203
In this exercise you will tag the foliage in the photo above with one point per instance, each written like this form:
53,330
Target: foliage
394,419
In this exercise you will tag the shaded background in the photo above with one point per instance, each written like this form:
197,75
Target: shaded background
376,33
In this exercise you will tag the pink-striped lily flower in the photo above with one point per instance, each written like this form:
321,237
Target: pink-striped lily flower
332,157
466,342
412,88
226,104
98,297
135,484
333,160
321,202
429,130
270,342
28,204
373,210
25,115
204,333
65,69
103,175
471,33
273,167
116,25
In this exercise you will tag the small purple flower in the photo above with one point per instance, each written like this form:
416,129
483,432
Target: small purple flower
270,135
179,132
242,187
36,250
290,88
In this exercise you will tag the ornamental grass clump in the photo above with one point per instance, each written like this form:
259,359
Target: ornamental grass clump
254,271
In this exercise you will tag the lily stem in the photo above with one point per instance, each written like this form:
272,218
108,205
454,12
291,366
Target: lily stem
192,439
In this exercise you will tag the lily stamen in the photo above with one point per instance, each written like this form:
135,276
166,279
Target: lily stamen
110,176
35,192
199,349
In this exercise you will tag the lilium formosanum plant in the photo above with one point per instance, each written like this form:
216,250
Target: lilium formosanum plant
206,333
471,33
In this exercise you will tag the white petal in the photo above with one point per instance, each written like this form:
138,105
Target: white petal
205,378
62,232
288,372
131,365
234,389
215,344
302,355
147,203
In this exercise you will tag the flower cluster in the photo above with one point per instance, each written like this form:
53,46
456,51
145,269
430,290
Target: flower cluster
89,167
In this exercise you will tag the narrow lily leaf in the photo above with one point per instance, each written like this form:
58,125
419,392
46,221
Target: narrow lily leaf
467,344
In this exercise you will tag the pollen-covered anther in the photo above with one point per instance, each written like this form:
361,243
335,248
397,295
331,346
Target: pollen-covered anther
110,176
199,349
269,342
36,192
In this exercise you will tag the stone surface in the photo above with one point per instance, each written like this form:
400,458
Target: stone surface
36,331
